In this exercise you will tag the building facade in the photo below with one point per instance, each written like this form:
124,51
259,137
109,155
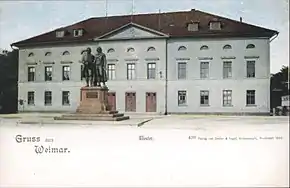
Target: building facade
187,62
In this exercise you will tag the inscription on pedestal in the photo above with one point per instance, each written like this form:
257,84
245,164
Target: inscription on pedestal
92,95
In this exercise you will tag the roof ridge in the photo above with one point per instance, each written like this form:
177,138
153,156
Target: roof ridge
141,14
236,21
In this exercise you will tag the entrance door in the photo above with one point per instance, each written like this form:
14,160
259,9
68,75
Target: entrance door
150,102
112,100
130,100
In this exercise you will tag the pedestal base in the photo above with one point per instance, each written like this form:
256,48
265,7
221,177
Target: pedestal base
94,106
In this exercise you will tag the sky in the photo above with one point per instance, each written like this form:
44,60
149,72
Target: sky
20,20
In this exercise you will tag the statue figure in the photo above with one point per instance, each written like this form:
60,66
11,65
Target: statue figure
89,69
101,68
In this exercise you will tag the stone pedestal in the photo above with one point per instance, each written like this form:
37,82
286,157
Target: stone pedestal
94,100
94,106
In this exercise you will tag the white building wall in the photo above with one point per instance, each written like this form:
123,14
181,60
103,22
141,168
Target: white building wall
121,85
239,83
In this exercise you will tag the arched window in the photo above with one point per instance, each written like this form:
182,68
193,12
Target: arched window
150,49
227,47
111,50
31,54
130,50
204,47
249,46
48,54
83,51
65,53
181,48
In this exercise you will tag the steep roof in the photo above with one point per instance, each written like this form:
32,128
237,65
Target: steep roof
173,24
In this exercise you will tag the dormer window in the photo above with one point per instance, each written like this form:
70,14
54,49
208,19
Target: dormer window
215,25
60,34
78,32
193,26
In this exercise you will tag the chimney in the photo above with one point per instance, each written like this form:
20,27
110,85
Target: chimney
241,19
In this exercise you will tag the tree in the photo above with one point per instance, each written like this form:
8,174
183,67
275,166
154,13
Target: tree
279,86
8,82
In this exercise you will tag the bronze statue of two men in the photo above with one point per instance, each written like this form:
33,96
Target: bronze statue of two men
94,68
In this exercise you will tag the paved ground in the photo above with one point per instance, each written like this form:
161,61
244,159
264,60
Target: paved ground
177,150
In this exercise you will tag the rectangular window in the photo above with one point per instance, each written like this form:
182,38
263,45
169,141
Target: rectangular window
151,70
66,73
65,98
111,71
30,98
31,74
48,73
181,98
59,34
204,69
78,32
181,70
251,69
251,97
193,27
215,26
227,69
47,98
131,71
204,98
227,97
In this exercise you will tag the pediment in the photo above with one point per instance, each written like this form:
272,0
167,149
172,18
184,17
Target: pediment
131,31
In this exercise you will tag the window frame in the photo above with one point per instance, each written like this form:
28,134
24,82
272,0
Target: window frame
65,95
31,73
250,46
151,49
66,53
111,71
45,73
29,96
130,50
31,54
47,54
149,69
47,102
204,47
64,71
227,47
181,48
249,100
183,94
227,97
203,96
252,73
201,69
131,71
180,69
110,50
227,68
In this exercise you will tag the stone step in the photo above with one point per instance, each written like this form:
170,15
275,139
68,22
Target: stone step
86,111
92,118
94,115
